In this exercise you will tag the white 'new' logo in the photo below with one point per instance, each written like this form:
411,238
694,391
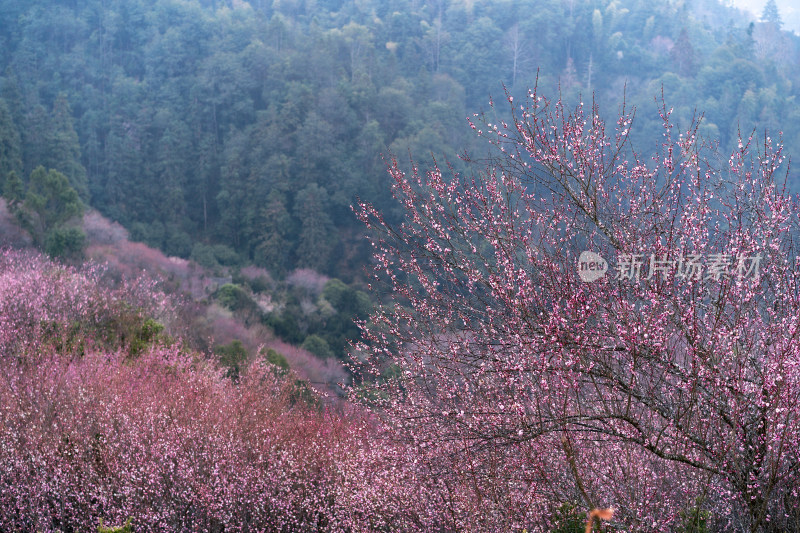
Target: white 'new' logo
591,266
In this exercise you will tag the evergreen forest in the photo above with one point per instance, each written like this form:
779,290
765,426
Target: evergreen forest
236,133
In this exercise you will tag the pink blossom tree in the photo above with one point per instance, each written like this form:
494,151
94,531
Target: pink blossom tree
91,434
658,372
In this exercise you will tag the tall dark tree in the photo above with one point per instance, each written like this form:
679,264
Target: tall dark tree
35,131
172,165
683,55
273,248
64,150
316,234
13,190
771,14
233,199
10,145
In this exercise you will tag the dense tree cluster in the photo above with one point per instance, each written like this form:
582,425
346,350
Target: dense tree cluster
253,126
319,318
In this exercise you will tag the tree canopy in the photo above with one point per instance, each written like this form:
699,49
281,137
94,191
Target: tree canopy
212,122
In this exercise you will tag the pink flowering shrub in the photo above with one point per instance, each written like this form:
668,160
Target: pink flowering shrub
42,302
164,441
324,374
89,431
101,230
308,279
129,259
10,232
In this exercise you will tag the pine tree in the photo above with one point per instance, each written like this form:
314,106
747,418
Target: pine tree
771,14
316,234
276,224
173,158
12,94
10,145
683,56
13,189
64,148
35,132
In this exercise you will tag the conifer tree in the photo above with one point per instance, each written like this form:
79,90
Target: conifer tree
10,145
683,56
771,14
13,189
64,150
276,223
316,234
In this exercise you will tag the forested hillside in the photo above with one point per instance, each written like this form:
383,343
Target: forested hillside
235,132
490,385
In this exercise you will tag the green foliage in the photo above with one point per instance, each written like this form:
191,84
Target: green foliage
315,243
177,243
64,151
65,338
145,335
771,14
256,133
275,358
695,519
10,145
127,328
318,346
65,243
232,356
13,189
203,255
346,300
234,297
302,392
569,518
285,326
350,305
52,198
214,255
50,202
259,284
122,327
225,255
336,292
150,234
124,528
275,231
325,328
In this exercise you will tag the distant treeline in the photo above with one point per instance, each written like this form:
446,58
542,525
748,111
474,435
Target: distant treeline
248,129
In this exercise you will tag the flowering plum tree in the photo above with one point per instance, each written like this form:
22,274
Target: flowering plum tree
91,434
578,325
